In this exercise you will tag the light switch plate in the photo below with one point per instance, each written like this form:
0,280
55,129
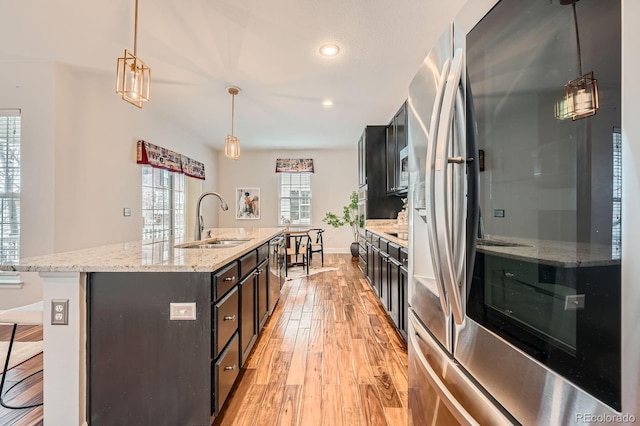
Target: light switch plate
126,211
182,311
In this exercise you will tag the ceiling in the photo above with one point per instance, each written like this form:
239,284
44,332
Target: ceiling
197,48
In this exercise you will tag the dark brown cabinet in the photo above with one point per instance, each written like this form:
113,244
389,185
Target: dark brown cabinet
180,371
372,166
387,273
397,166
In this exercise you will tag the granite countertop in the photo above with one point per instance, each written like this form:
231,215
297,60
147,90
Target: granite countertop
149,256
555,253
383,228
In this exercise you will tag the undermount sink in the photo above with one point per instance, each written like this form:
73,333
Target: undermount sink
215,243
495,243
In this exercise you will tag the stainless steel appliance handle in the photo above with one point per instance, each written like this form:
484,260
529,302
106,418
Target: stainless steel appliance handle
447,226
454,406
432,224
460,209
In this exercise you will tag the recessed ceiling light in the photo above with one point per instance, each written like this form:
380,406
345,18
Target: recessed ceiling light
329,49
327,103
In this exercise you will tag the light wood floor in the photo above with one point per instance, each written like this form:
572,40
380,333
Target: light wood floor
327,356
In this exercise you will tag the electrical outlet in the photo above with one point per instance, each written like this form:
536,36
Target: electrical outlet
498,213
126,211
182,311
60,312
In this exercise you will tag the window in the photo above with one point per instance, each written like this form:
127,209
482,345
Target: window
616,230
163,204
295,198
9,186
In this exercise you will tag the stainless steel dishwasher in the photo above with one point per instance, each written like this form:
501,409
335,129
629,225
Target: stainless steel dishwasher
276,270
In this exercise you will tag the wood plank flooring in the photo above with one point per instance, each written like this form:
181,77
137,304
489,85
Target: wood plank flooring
29,391
327,356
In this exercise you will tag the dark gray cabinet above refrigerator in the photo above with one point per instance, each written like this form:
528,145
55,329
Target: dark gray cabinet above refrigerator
397,167
372,175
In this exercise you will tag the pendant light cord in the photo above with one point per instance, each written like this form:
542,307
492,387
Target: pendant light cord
575,20
233,108
135,33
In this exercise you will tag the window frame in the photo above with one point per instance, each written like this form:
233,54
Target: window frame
287,184
163,200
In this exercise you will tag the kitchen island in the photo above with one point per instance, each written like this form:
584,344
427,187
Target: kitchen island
156,331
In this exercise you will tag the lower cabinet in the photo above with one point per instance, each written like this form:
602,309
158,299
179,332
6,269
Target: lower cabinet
149,367
225,372
248,331
387,264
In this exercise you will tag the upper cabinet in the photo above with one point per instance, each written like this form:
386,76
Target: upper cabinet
397,167
378,204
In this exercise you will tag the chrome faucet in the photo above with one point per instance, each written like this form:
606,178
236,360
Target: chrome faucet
199,220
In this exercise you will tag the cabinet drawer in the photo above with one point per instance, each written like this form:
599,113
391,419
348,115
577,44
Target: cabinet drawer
383,245
263,252
394,251
225,373
404,257
224,279
248,262
225,321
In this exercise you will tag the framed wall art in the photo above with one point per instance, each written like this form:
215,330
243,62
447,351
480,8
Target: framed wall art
248,203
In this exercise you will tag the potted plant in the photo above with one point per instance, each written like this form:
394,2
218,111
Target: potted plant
349,217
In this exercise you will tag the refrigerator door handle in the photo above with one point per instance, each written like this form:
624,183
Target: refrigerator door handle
454,406
429,187
451,273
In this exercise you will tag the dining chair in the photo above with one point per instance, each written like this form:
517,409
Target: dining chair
22,315
316,246
297,248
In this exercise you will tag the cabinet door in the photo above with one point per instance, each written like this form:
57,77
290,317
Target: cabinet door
375,269
392,157
362,164
247,316
396,141
404,301
394,291
384,280
402,141
262,278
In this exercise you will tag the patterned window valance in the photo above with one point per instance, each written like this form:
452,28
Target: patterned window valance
294,165
163,158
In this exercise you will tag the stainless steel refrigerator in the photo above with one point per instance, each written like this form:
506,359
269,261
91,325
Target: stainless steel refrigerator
515,283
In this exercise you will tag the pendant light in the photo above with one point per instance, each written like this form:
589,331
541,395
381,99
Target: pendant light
232,143
581,98
133,78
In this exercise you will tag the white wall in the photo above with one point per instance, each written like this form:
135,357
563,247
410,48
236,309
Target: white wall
335,177
31,88
96,171
79,161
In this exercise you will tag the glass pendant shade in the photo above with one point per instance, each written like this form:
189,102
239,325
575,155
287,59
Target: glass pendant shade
133,79
232,147
232,143
581,99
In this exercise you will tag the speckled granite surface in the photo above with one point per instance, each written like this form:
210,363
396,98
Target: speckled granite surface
555,253
383,227
147,256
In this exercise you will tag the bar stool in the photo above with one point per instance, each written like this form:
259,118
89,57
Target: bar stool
22,315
